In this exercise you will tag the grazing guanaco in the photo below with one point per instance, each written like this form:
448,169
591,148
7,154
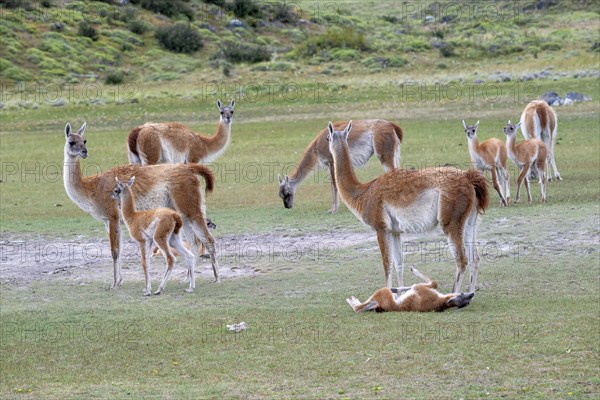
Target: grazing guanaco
413,201
160,226
539,121
172,142
372,136
490,155
420,297
528,155
174,186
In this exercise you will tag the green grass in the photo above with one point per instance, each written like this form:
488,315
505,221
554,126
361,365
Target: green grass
532,331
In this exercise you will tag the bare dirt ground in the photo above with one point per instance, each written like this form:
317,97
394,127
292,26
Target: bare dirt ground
81,260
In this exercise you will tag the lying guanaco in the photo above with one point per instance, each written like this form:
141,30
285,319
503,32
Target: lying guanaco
420,297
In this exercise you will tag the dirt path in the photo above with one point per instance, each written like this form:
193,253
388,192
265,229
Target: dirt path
81,260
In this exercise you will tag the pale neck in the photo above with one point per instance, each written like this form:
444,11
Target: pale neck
307,163
346,179
127,205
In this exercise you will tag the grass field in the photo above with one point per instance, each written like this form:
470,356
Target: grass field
532,330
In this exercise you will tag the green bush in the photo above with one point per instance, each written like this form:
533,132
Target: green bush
447,50
245,8
241,52
114,77
86,29
169,8
179,38
344,54
341,38
139,27
220,3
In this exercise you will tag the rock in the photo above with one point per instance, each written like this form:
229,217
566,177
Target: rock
528,77
552,98
429,19
59,103
235,23
500,77
574,97
237,328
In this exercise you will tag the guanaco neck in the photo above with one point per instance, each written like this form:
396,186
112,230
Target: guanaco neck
511,147
127,205
219,141
473,144
307,163
348,184
73,181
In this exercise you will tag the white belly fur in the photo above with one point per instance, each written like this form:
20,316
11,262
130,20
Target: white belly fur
170,155
418,217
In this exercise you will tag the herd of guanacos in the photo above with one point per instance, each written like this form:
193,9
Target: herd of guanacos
158,194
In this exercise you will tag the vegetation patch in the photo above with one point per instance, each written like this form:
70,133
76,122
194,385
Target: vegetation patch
179,38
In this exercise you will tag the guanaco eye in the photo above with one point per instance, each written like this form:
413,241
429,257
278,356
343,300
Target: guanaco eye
85,141
71,143
232,111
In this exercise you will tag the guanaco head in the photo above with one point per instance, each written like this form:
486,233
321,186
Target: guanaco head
335,138
75,145
461,300
511,129
286,191
226,112
470,130
120,188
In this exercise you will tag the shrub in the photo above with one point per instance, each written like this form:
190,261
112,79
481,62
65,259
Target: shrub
220,3
447,50
139,27
284,13
169,8
179,38
87,30
114,77
242,52
245,8
344,54
342,38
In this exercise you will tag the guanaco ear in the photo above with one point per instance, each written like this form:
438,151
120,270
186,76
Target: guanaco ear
347,130
330,131
130,182
232,103
279,178
464,124
518,125
509,121
219,105
68,130
477,124
81,130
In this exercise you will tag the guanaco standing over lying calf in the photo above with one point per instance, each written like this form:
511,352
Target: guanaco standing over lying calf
159,225
421,297
407,201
